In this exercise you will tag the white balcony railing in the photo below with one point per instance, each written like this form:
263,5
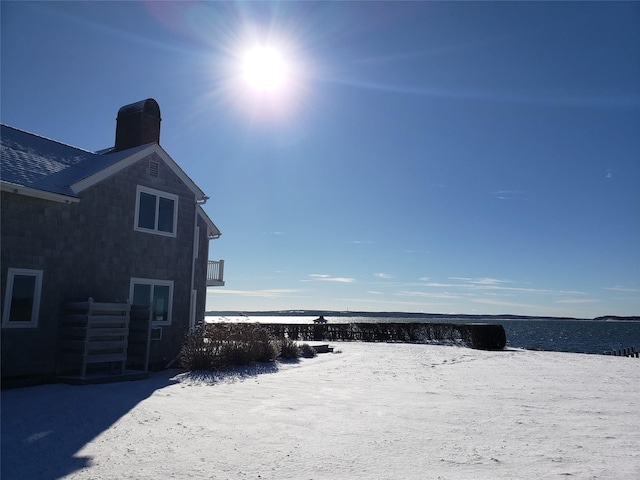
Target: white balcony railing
215,273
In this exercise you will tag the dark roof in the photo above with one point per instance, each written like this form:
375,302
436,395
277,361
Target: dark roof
36,162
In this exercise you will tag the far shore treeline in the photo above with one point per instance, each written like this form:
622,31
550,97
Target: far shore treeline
347,314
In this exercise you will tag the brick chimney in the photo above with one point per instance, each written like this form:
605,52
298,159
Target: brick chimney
138,124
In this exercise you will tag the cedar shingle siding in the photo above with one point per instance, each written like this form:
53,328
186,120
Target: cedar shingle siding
89,248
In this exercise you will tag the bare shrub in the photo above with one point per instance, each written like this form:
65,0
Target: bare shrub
264,347
221,345
308,351
196,353
289,349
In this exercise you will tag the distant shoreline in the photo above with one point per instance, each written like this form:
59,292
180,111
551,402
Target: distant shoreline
333,313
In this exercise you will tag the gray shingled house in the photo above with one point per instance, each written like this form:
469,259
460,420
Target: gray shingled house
104,255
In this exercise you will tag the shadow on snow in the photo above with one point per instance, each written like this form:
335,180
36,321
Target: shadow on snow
229,375
44,427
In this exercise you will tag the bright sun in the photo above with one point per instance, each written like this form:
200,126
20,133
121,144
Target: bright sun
266,78
264,69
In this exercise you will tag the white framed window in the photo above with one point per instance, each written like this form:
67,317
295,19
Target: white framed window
22,298
158,294
156,212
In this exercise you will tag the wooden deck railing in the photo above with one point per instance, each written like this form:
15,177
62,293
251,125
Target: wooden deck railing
93,333
215,273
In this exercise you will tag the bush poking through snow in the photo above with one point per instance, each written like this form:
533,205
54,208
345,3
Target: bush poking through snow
221,345
289,349
308,351
196,354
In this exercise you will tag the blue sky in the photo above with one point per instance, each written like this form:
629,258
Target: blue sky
424,157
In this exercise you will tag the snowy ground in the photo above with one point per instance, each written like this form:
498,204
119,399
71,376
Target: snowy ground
374,411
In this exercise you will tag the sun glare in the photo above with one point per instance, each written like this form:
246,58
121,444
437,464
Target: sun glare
264,69
266,79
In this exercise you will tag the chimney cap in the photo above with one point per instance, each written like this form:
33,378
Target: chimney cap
148,107
138,124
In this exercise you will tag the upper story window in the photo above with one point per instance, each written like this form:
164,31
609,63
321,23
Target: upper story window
156,212
22,298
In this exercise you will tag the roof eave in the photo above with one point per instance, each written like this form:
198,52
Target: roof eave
212,231
130,160
35,193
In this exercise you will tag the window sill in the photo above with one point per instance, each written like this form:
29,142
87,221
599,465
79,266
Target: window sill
155,232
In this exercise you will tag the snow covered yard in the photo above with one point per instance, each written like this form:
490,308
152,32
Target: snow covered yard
386,411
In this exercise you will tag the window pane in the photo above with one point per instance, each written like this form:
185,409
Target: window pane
165,215
22,298
147,211
161,303
141,294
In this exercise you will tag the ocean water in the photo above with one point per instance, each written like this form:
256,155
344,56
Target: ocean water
579,336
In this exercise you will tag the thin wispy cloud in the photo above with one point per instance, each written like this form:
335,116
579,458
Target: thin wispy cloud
406,293
265,293
382,275
330,278
576,301
489,285
501,303
509,195
387,302
623,289
441,285
481,281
